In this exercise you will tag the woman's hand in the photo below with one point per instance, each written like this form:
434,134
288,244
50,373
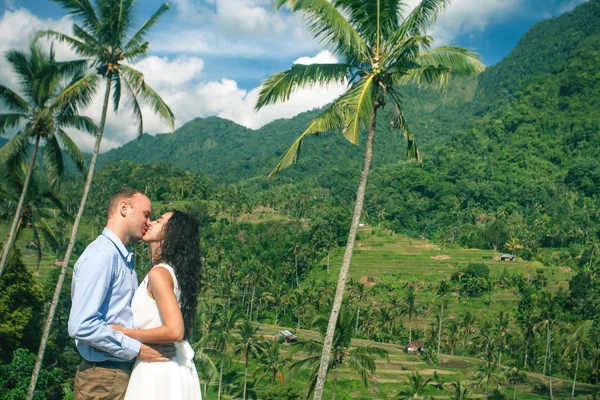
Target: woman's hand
117,328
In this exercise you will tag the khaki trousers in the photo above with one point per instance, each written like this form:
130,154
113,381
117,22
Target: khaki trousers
102,381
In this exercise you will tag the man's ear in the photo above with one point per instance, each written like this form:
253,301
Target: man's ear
123,208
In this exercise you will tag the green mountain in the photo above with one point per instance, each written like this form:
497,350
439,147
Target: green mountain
558,55
229,152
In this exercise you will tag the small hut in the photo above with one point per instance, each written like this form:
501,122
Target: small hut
415,347
507,257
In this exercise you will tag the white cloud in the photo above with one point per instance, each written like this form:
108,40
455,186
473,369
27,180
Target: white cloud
226,99
324,57
17,28
238,28
467,16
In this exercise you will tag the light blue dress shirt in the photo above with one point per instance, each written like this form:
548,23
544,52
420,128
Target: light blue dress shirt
104,282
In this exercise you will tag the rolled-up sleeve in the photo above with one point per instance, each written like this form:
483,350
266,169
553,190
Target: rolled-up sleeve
92,279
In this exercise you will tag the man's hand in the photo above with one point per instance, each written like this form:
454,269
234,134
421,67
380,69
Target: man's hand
157,352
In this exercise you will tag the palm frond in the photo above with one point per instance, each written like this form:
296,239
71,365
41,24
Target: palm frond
401,50
79,92
360,99
328,25
13,101
331,119
53,162
116,79
70,68
137,51
374,20
135,108
421,18
20,64
48,234
460,61
151,98
71,148
138,38
78,46
84,10
82,35
10,120
278,87
15,148
400,123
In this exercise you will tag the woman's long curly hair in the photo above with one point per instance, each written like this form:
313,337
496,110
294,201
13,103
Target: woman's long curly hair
180,248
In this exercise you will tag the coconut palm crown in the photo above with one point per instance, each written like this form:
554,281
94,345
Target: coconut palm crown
381,47
102,35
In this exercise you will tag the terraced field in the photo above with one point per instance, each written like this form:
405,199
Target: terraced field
391,374
383,261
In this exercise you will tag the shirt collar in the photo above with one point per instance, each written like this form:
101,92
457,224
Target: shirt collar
125,251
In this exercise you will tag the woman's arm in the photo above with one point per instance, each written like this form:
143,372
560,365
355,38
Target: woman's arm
161,286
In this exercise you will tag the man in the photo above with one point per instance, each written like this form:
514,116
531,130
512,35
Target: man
104,282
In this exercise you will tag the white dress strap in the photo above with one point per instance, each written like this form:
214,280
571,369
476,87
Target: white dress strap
172,272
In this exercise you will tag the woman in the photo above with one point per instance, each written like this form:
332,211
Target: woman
164,307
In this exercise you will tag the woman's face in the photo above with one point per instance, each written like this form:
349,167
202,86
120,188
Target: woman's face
155,232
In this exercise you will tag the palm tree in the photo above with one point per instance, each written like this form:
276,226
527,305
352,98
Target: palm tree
453,331
442,291
515,376
410,308
42,120
467,327
548,314
103,36
272,363
527,329
359,359
38,206
381,49
247,345
485,372
459,392
221,337
502,332
577,344
414,388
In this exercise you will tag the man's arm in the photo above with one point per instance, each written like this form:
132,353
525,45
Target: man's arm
91,282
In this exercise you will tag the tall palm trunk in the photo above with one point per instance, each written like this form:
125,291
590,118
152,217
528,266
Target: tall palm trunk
526,351
440,327
65,265
251,303
13,228
220,381
245,376
575,376
339,292
549,362
515,392
296,265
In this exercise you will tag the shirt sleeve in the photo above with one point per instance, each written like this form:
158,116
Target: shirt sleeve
92,280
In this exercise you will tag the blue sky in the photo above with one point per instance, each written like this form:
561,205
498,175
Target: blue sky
207,57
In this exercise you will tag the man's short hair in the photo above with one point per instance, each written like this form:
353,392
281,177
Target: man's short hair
125,194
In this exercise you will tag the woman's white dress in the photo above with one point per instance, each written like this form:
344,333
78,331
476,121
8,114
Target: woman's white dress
176,379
